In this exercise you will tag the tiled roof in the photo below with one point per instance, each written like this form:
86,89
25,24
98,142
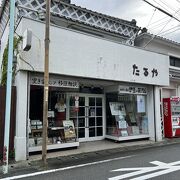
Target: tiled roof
157,37
31,8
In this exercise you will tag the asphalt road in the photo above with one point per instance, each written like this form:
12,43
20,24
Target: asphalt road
157,163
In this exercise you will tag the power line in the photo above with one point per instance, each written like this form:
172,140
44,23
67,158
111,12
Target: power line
159,20
167,5
161,29
151,17
163,11
172,31
170,7
168,14
161,6
169,29
158,25
156,34
166,32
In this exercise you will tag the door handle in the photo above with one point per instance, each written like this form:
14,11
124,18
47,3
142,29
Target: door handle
86,123
86,116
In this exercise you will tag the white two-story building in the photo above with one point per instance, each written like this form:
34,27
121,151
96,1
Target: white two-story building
101,85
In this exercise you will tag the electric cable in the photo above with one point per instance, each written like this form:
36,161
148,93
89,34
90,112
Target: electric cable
156,34
158,25
170,7
160,30
165,12
169,29
159,20
151,17
26,62
161,6
167,6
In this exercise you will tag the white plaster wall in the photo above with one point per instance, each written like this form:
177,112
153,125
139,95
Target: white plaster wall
77,54
157,113
150,106
171,90
159,46
21,116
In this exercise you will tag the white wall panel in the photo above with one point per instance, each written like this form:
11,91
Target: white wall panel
78,54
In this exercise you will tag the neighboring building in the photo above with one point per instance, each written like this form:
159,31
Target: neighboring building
170,48
99,82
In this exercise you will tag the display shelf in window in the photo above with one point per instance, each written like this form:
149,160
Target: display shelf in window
126,116
57,137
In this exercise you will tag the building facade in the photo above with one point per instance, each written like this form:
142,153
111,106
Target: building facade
170,48
100,85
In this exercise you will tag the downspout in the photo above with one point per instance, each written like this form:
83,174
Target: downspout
154,114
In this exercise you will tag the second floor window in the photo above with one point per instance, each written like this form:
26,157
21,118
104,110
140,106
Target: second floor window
174,61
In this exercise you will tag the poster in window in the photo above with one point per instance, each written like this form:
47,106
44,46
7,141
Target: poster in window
117,109
141,104
122,124
120,118
144,124
69,130
124,133
132,117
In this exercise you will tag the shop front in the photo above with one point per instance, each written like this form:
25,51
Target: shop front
73,116
127,115
81,107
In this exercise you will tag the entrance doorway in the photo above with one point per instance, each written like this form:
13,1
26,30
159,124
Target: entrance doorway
88,117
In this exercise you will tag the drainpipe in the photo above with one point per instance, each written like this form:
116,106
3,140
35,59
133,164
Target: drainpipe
154,114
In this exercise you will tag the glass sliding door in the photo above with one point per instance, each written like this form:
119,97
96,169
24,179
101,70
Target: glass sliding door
95,116
88,117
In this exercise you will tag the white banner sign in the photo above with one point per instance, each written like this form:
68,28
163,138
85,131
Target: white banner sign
54,82
132,90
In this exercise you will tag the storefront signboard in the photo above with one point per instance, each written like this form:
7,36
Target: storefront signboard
132,90
146,71
69,130
55,82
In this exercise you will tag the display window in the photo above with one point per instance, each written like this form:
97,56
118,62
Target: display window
126,114
60,128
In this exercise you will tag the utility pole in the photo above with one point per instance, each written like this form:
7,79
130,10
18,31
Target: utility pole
8,89
46,83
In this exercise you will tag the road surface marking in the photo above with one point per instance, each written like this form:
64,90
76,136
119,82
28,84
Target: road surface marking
164,168
66,168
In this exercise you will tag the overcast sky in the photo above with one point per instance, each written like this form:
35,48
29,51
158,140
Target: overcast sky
145,15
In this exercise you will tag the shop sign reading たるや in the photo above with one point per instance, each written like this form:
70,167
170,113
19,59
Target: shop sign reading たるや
146,71
55,82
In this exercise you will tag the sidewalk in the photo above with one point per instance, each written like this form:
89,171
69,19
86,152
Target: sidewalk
88,147
88,151
94,146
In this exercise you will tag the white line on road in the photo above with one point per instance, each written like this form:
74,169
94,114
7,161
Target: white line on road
66,168
164,168
152,175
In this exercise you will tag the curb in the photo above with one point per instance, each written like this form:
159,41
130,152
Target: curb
37,164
